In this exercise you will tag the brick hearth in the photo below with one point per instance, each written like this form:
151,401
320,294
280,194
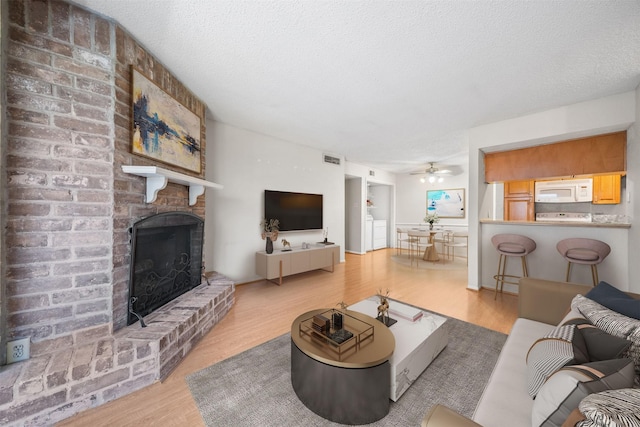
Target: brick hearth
50,388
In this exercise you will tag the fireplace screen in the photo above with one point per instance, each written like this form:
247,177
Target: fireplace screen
166,260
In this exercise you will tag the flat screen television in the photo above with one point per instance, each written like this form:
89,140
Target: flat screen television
295,211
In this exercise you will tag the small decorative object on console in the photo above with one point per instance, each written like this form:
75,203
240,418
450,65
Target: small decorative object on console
286,245
270,230
325,234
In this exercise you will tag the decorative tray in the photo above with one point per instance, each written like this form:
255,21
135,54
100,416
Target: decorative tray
341,342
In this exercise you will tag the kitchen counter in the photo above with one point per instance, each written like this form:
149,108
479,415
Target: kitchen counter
545,262
558,223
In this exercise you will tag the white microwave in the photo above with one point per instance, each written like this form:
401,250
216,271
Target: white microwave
564,191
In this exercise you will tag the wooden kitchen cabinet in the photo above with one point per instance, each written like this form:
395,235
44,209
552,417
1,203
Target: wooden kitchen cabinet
600,154
519,209
606,189
518,201
519,189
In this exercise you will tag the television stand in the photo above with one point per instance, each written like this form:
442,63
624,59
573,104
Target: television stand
275,266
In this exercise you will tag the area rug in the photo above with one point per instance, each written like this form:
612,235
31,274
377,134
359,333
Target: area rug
254,388
457,263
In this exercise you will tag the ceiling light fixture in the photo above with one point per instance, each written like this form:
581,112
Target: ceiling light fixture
432,174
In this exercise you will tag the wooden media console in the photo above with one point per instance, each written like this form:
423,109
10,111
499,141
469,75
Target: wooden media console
281,263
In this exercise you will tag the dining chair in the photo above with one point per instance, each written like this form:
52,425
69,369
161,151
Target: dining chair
459,239
402,240
419,242
444,238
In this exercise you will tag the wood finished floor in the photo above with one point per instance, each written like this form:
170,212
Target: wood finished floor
263,311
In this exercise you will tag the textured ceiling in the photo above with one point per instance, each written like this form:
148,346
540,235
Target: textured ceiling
389,84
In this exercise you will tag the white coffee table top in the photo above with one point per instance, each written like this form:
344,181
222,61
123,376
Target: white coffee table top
408,334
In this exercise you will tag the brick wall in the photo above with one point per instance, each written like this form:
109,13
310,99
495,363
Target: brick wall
68,208
69,204
3,186
59,154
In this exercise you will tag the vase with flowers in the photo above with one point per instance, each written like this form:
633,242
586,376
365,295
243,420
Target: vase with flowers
431,218
270,229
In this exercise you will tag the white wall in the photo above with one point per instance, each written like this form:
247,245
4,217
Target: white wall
633,203
247,163
613,113
353,216
369,174
411,197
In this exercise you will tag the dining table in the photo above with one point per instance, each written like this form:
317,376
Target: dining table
431,253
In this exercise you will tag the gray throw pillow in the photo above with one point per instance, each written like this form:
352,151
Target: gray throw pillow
599,344
612,323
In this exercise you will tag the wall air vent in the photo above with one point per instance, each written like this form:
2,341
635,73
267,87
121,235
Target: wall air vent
331,159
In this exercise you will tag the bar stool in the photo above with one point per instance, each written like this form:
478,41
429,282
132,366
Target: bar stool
509,245
583,251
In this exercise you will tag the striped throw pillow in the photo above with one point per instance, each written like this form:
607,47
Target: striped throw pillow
548,354
612,408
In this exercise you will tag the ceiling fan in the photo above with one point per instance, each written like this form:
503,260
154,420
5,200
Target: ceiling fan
433,174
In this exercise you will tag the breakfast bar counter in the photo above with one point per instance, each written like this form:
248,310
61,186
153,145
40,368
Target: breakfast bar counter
545,262
558,223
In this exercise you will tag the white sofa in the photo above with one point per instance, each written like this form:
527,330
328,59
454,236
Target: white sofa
505,401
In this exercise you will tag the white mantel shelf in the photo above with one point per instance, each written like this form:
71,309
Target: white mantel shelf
157,179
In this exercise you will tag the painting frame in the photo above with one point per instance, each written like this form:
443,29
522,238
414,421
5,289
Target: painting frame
163,129
447,203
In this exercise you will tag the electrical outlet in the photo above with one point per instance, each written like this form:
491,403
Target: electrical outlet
18,350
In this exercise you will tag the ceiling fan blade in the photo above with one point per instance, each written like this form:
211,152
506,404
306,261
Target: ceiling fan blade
432,169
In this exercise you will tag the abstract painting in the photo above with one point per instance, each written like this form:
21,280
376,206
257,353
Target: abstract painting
163,128
446,203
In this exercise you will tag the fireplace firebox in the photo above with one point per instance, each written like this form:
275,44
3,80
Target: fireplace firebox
166,261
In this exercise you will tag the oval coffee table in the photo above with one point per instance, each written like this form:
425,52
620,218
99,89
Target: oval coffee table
346,383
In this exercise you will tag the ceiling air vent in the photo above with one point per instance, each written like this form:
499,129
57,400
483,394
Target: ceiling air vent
331,159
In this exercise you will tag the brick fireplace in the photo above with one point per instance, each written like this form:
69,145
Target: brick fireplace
67,212
166,261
